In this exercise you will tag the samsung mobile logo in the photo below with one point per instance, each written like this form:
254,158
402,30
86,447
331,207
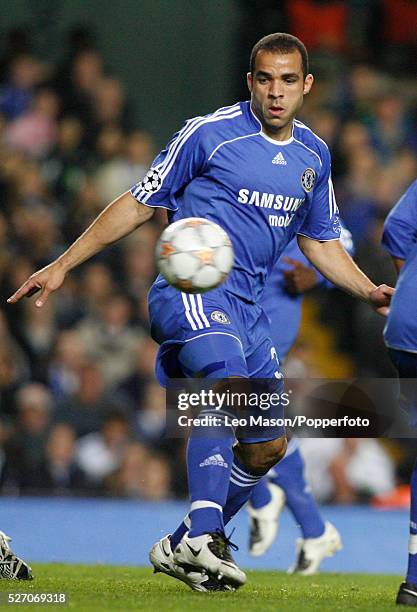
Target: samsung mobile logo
269,200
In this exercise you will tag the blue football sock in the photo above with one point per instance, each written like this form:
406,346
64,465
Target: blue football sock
209,462
412,544
242,483
260,495
209,454
289,475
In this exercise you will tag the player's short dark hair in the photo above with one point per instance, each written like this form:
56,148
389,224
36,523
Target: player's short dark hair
280,42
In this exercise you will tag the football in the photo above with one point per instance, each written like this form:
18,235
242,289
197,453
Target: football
194,255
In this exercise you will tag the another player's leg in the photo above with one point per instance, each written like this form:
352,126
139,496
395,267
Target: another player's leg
407,593
11,567
319,539
265,506
406,364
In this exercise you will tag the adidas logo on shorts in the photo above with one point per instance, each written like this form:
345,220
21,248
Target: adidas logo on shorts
214,460
279,159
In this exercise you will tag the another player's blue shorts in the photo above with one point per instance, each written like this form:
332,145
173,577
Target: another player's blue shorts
406,364
213,335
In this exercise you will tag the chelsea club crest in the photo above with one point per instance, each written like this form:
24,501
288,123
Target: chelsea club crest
220,317
307,179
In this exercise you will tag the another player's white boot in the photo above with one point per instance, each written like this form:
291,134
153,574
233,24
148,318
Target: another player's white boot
162,559
312,551
264,521
11,567
210,552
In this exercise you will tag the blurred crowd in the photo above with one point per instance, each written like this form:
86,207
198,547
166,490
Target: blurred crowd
80,410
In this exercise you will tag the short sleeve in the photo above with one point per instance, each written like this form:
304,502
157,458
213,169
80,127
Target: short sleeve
171,171
346,239
322,220
400,227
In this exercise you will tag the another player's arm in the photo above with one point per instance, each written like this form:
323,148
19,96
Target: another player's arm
400,227
398,263
117,220
331,259
303,277
300,278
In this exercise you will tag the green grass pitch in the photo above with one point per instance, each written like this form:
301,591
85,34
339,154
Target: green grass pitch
128,588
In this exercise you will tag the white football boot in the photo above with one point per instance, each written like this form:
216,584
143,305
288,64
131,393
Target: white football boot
162,559
11,567
264,522
210,552
312,551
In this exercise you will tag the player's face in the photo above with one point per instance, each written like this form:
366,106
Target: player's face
277,88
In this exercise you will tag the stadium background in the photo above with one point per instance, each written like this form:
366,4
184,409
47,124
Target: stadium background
88,94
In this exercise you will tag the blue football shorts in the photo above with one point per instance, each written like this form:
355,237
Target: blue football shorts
406,365
214,335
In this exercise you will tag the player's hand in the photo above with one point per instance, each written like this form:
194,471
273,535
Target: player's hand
301,278
46,280
380,299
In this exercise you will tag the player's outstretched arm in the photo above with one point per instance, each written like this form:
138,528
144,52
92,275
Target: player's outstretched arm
118,219
331,259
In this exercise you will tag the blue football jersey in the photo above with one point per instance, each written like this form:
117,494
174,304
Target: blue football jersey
262,192
284,309
400,240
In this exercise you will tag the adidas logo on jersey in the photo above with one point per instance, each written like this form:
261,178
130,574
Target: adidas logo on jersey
214,460
279,159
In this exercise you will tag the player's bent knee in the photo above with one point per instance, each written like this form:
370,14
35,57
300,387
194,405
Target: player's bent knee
273,453
280,450
260,457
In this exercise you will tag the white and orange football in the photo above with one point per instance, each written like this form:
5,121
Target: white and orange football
194,255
